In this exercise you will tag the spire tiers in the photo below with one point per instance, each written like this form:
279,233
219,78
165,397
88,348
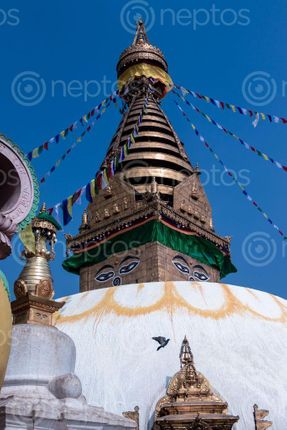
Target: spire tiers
34,289
156,155
190,401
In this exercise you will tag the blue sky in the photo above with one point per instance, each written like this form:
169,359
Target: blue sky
210,48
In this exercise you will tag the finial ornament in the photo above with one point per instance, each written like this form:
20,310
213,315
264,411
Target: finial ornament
154,186
43,208
85,221
85,218
140,36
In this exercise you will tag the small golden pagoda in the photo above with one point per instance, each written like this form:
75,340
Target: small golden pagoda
190,402
34,287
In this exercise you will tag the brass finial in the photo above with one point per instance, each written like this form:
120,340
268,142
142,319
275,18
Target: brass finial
154,186
140,36
85,218
85,221
43,208
185,356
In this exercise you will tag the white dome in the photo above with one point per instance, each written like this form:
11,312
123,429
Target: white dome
238,337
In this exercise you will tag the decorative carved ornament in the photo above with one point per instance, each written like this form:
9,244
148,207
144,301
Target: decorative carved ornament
133,415
24,204
45,289
20,288
260,422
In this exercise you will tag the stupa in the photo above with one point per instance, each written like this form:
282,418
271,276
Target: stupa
41,390
150,265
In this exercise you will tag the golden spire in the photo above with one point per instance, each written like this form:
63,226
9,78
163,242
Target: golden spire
140,36
35,282
185,356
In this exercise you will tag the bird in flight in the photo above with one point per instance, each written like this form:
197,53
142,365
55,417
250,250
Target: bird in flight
163,341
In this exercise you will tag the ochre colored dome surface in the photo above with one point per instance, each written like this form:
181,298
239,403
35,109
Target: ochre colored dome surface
5,329
238,337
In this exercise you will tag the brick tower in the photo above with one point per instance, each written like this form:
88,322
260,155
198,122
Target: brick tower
153,221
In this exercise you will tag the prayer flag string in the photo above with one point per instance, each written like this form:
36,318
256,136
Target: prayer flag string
36,152
79,139
233,135
101,180
218,159
223,105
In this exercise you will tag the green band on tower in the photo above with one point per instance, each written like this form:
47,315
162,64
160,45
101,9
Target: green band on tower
154,231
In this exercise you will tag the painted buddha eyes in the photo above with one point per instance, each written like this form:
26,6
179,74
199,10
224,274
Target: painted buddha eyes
104,276
181,267
200,274
108,272
129,267
194,273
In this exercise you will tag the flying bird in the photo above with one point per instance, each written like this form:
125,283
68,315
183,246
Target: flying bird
163,341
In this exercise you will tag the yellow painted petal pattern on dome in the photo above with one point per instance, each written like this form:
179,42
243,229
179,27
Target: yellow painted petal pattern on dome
209,300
